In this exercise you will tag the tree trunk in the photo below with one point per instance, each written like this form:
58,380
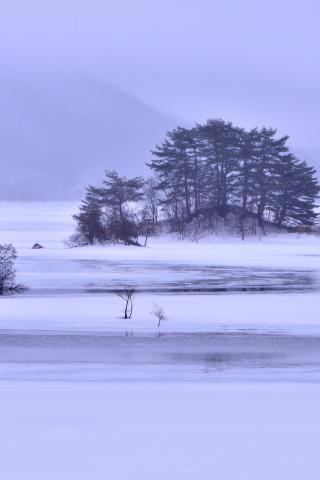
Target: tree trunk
261,207
195,184
245,186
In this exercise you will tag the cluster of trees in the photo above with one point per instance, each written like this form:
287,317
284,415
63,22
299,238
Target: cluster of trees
204,173
218,167
109,213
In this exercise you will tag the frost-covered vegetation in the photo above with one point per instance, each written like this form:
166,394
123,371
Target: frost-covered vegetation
210,178
8,274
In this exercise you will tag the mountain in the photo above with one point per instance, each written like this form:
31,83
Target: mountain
59,133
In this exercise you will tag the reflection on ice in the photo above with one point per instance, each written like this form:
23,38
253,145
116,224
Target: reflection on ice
154,357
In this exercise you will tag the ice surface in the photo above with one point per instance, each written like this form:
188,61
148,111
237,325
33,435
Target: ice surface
227,388
179,357
234,284
143,431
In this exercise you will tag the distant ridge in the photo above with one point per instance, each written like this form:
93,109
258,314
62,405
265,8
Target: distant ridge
62,132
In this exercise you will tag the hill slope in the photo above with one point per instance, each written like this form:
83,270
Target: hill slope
58,134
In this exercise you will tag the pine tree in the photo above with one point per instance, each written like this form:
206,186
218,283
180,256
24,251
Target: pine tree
117,191
269,153
104,214
294,199
89,219
247,157
219,145
179,170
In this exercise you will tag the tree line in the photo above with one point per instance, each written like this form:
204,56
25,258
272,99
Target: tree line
203,175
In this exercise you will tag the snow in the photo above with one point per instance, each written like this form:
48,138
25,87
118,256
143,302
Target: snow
70,288
82,431
230,389
190,313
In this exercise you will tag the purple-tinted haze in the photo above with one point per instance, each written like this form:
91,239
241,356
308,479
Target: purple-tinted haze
252,62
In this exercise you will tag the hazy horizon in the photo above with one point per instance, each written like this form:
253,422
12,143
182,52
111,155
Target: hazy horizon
252,63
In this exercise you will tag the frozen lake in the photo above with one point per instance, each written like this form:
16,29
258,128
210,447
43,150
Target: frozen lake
227,388
219,284
268,285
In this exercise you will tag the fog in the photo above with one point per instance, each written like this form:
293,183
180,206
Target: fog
63,132
93,85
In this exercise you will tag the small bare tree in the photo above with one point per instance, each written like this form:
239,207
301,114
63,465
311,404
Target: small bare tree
8,283
159,313
127,294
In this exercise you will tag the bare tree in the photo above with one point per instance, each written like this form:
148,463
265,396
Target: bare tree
158,312
8,283
151,199
127,294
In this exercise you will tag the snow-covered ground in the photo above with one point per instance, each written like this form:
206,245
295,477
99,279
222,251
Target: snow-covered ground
221,283
229,390
158,431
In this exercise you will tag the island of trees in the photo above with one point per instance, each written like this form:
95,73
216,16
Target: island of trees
208,178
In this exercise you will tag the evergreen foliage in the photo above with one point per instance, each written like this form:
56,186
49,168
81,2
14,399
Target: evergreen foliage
220,168
105,215
202,175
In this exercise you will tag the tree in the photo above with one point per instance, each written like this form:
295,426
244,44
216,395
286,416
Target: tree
179,170
117,192
269,156
8,255
114,197
158,312
219,146
294,199
151,200
247,156
89,220
126,293
105,215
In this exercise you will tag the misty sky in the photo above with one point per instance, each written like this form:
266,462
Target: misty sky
253,62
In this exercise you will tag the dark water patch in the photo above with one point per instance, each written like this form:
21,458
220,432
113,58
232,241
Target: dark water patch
101,276
187,278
